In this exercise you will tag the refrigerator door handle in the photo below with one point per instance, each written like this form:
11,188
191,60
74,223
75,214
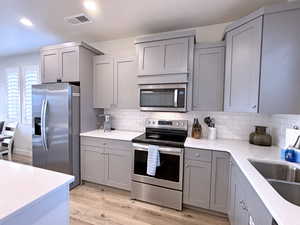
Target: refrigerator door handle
44,123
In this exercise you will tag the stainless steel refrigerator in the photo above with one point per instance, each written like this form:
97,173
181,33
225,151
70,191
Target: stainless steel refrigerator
56,125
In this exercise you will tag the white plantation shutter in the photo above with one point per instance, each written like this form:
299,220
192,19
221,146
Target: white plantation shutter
13,94
30,77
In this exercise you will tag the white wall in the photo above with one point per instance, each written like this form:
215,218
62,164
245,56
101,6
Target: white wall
23,135
125,47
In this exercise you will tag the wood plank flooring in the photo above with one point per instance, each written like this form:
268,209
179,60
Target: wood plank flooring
93,204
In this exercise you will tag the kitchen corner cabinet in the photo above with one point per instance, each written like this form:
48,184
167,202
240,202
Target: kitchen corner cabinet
208,78
244,203
242,68
115,82
60,65
106,162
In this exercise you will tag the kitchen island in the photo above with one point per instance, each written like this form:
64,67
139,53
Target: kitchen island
32,195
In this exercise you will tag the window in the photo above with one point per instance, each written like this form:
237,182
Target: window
30,77
13,94
19,88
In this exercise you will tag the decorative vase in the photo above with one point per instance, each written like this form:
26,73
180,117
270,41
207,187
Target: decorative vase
197,129
260,137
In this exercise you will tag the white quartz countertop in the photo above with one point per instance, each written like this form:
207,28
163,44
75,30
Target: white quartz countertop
22,185
284,212
114,134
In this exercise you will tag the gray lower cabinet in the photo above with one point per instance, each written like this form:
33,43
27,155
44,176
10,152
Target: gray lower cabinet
244,201
115,82
208,81
106,162
219,181
197,178
242,68
206,179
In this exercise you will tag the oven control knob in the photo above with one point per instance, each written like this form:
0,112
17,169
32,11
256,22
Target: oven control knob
177,124
182,124
153,122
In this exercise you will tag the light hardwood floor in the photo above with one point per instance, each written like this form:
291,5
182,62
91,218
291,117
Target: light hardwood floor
93,204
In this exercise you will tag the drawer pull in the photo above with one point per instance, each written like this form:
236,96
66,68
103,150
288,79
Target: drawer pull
197,155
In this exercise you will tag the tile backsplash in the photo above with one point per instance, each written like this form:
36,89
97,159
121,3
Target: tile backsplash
229,125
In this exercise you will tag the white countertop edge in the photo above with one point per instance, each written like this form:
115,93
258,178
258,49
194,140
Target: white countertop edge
35,201
121,135
67,181
284,212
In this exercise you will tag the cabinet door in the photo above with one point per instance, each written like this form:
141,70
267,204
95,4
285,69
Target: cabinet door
242,72
163,57
50,66
219,181
94,166
241,211
231,194
197,180
69,64
125,81
103,81
280,79
118,163
208,79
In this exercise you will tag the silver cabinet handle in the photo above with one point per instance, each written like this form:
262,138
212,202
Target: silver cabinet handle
176,98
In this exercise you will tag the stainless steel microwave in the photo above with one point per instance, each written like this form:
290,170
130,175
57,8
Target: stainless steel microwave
163,98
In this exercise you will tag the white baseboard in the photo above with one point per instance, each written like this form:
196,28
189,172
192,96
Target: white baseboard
22,151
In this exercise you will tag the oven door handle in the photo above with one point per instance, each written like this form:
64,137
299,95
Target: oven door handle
142,147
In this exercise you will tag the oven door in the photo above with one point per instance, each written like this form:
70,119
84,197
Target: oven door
167,98
170,172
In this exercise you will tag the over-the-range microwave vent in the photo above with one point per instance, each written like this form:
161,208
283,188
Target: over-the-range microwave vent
78,19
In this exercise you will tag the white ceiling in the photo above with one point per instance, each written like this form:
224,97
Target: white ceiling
113,19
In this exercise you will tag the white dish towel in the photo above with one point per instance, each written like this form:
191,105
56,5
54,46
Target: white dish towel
153,160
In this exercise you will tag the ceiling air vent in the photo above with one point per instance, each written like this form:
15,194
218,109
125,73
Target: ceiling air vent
78,19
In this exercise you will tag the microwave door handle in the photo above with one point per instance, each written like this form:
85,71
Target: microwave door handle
176,98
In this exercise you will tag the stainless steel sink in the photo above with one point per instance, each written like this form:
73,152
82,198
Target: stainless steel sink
277,171
284,178
288,190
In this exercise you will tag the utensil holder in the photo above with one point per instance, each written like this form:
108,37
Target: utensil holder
212,133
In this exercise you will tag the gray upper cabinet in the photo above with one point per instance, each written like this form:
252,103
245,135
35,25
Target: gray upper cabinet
242,68
125,84
50,66
69,59
280,78
115,82
220,181
163,57
60,64
208,79
103,81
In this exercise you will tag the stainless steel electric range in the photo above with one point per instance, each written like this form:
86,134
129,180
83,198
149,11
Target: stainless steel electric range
165,188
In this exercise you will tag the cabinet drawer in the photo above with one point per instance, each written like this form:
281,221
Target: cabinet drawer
90,141
198,154
92,149
117,144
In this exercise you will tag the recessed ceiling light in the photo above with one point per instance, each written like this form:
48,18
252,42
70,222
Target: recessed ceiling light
90,5
26,22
